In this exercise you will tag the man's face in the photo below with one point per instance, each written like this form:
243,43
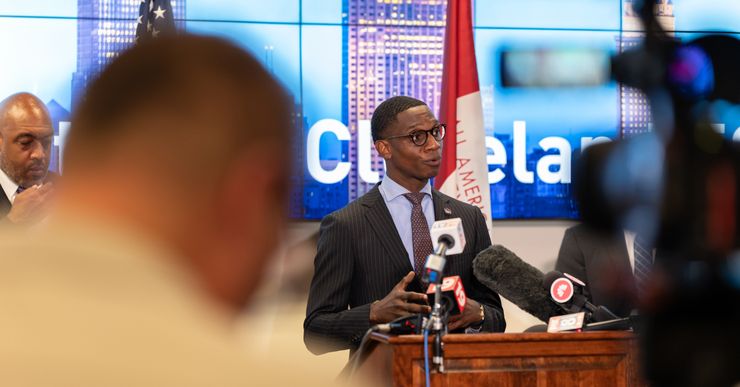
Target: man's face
406,161
25,146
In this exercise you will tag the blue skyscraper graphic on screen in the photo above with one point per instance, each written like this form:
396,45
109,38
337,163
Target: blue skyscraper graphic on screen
634,107
60,119
391,48
104,29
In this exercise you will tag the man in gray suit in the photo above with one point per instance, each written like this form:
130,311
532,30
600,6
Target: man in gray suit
371,252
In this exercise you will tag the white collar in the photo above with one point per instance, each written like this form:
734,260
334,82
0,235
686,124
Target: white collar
393,190
9,186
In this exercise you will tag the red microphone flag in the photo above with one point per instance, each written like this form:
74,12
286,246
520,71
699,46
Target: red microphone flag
464,171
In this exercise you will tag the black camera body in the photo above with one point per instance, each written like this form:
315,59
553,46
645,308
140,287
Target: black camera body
679,187
686,195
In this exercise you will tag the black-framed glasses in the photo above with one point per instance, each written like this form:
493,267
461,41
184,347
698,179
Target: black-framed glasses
419,137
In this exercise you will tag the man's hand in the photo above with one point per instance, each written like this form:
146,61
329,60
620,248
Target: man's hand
399,303
31,205
469,316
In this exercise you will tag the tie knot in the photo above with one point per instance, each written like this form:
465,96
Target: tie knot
414,197
20,189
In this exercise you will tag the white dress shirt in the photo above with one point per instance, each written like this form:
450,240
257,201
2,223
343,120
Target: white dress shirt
9,186
400,209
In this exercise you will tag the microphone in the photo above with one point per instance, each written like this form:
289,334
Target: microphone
448,238
560,287
448,233
567,291
506,274
453,295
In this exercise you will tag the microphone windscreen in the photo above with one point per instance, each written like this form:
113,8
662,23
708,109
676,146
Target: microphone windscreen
519,282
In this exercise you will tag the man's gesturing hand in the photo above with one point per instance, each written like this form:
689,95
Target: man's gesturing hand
471,315
398,303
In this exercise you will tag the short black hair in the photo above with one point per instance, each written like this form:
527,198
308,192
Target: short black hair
385,114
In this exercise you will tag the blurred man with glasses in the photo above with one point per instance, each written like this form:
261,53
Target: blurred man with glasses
371,253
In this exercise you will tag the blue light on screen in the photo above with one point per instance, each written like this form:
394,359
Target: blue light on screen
276,45
271,11
39,8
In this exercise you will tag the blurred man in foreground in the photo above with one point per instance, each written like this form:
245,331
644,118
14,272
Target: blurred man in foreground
26,135
174,197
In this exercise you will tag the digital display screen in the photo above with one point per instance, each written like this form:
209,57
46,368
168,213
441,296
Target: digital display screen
341,58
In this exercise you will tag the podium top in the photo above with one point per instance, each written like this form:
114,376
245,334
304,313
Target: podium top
459,338
604,358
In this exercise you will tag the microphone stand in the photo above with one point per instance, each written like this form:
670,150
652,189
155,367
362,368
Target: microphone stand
436,320
438,326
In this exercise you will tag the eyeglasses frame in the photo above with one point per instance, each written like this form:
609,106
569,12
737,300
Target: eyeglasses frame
427,133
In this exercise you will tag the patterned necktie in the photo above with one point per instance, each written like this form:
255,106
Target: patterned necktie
422,241
643,263
18,192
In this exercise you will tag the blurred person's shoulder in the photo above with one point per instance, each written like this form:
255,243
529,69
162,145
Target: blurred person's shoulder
278,368
94,306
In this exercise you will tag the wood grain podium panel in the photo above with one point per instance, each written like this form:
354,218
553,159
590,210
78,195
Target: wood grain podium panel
509,359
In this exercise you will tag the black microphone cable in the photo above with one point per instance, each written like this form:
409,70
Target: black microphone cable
356,359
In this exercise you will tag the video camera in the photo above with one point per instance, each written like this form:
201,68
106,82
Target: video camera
678,186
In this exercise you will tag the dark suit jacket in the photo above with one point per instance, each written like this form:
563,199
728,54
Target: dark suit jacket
361,257
4,204
601,261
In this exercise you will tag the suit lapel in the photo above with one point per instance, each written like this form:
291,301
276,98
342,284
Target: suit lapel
618,254
441,204
380,221
619,258
4,203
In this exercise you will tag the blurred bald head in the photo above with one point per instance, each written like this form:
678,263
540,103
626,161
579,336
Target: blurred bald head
26,135
184,138
188,101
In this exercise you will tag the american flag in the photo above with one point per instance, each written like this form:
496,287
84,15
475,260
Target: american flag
155,18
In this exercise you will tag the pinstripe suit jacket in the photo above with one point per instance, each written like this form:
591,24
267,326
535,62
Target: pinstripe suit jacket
360,258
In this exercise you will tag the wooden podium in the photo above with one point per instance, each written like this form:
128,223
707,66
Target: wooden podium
508,359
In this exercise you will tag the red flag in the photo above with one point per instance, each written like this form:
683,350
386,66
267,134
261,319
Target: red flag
464,171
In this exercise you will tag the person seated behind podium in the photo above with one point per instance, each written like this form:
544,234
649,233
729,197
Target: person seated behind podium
26,135
607,263
369,252
175,194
